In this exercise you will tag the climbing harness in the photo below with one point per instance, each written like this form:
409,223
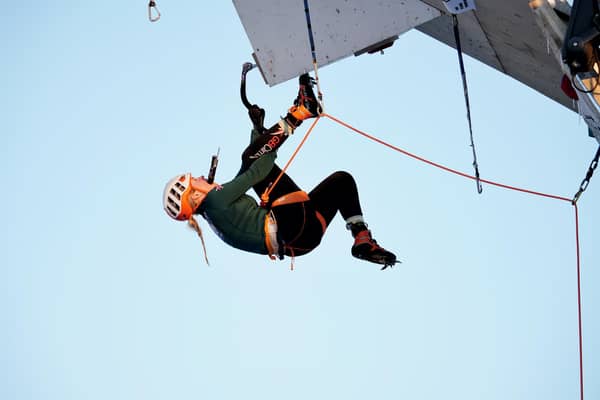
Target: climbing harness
586,181
466,93
291,198
153,13
277,249
297,197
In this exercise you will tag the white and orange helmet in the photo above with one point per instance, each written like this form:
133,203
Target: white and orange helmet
175,197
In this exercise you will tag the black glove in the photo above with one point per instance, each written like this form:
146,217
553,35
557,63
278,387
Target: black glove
257,116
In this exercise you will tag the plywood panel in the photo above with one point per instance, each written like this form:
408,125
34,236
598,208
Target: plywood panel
278,31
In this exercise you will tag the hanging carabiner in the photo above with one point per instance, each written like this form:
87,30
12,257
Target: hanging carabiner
152,5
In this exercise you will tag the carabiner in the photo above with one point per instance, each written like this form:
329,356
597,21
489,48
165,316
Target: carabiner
152,5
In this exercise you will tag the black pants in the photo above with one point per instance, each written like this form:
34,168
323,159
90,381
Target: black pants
300,225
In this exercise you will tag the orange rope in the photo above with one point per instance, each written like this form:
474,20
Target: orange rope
581,375
580,330
440,165
265,199
265,196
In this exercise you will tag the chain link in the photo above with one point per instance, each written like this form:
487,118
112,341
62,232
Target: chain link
586,181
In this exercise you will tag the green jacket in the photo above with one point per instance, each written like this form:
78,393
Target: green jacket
236,217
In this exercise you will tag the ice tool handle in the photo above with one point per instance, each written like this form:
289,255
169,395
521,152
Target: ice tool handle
245,69
214,161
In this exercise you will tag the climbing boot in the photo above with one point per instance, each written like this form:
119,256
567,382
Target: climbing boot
306,104
366,248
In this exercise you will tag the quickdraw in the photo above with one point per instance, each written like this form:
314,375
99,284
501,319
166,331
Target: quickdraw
466,93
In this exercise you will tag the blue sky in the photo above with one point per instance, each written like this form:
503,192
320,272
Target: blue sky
103,296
